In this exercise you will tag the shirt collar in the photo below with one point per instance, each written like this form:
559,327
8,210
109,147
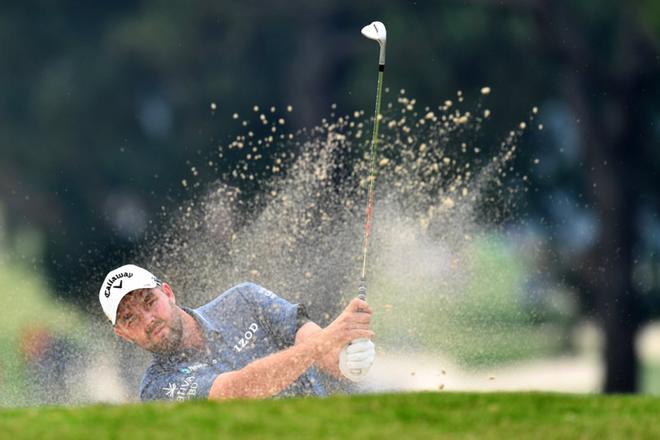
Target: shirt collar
209,329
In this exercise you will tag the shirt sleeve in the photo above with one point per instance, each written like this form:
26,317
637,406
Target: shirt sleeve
282,318
180,385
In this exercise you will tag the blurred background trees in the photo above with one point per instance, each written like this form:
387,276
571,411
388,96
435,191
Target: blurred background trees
105,105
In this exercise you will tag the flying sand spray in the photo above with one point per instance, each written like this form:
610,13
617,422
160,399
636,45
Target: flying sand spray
375,31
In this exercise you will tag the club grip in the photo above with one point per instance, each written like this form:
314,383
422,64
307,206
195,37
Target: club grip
362,294
362,291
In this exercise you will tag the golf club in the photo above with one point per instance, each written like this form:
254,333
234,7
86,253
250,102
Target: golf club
375,31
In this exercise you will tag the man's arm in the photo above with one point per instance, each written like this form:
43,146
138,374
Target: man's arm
268,376
329,362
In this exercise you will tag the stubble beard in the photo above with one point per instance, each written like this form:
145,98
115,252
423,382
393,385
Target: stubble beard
170,341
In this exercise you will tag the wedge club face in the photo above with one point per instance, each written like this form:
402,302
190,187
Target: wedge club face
376,31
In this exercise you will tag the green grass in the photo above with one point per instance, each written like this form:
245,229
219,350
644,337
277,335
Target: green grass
650,378
423,415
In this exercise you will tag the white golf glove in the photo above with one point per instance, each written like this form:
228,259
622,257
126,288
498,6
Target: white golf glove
356,359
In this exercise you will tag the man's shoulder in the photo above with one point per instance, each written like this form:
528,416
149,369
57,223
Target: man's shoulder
242,289
232,301
231,295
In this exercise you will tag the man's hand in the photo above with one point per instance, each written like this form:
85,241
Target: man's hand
356,359
353,323
357,354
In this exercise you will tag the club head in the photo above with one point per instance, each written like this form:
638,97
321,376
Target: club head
375,31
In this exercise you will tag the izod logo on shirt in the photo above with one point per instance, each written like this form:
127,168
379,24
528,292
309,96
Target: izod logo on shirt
247,337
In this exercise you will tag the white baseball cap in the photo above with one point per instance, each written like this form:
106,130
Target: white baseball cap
120,282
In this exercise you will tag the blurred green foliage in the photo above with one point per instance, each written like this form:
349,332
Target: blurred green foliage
31,317
482,314
106,108
112,100
109,102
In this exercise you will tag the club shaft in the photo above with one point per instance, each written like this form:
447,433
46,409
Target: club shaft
372,183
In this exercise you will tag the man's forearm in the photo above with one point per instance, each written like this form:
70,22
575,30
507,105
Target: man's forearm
329,361
268,376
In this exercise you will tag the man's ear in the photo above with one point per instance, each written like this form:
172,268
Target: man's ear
168,292
119,332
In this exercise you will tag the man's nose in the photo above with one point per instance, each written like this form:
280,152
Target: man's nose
147,319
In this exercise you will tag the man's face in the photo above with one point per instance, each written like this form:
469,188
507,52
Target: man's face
150,319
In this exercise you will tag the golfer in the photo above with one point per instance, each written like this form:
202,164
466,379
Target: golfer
246,343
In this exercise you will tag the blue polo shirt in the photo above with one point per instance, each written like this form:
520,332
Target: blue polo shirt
245,323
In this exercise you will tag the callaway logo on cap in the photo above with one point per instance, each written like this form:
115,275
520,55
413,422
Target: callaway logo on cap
120,282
